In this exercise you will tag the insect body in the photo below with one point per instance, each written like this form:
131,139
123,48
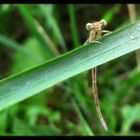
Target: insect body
96,28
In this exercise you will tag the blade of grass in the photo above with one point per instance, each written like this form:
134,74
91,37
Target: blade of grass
51,22
87,129
74,32
36,29
11,44
28,83
109,15
133,80
78,103
74,86
133,18
47,11
7,42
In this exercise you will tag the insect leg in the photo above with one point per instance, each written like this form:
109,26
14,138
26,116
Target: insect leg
106,32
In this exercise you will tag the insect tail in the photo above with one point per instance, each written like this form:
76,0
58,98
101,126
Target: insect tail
96,99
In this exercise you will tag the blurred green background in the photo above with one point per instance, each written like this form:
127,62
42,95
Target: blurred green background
31,34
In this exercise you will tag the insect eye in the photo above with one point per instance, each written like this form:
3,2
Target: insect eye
104,23
89,26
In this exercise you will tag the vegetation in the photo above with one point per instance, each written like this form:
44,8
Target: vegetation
45,86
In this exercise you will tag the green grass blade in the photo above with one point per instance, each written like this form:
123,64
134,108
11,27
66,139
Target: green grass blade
35,28
21,86
9,43
74,32
133,80
47,10
109,15
87,129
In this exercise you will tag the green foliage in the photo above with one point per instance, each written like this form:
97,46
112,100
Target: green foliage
23,61
32,37
130,114
51,23
39,78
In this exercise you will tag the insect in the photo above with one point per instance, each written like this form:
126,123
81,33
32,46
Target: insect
96,29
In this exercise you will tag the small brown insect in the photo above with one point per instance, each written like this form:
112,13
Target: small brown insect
96,29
